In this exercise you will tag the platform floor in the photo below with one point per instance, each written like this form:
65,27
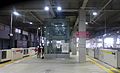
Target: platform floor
59,65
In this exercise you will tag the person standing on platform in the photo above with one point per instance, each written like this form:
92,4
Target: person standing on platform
39,52
42,52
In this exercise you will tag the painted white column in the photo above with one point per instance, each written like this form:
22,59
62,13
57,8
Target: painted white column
82,40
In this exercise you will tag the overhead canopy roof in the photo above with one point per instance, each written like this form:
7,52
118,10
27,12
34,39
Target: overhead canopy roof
33,11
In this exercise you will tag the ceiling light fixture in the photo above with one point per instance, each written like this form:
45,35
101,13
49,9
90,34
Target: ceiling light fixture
86,23
59,8
16,13
11,34
94,13
117,31
46,8
31,23
104,35
62,25
39,28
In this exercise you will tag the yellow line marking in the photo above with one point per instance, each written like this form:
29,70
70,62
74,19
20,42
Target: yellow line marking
111,68
102,67
108,52
4,64
115,69
11,62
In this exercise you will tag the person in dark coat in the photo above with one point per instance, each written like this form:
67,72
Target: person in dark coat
39,52
42,51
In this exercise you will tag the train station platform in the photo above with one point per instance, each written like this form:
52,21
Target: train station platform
58,65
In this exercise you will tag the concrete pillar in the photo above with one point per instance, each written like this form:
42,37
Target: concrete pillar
115,40
73,46
82,40
96,41
103,42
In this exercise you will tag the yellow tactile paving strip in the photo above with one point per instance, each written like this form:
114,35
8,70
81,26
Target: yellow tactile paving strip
10,62
6,63
108,70
102,67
